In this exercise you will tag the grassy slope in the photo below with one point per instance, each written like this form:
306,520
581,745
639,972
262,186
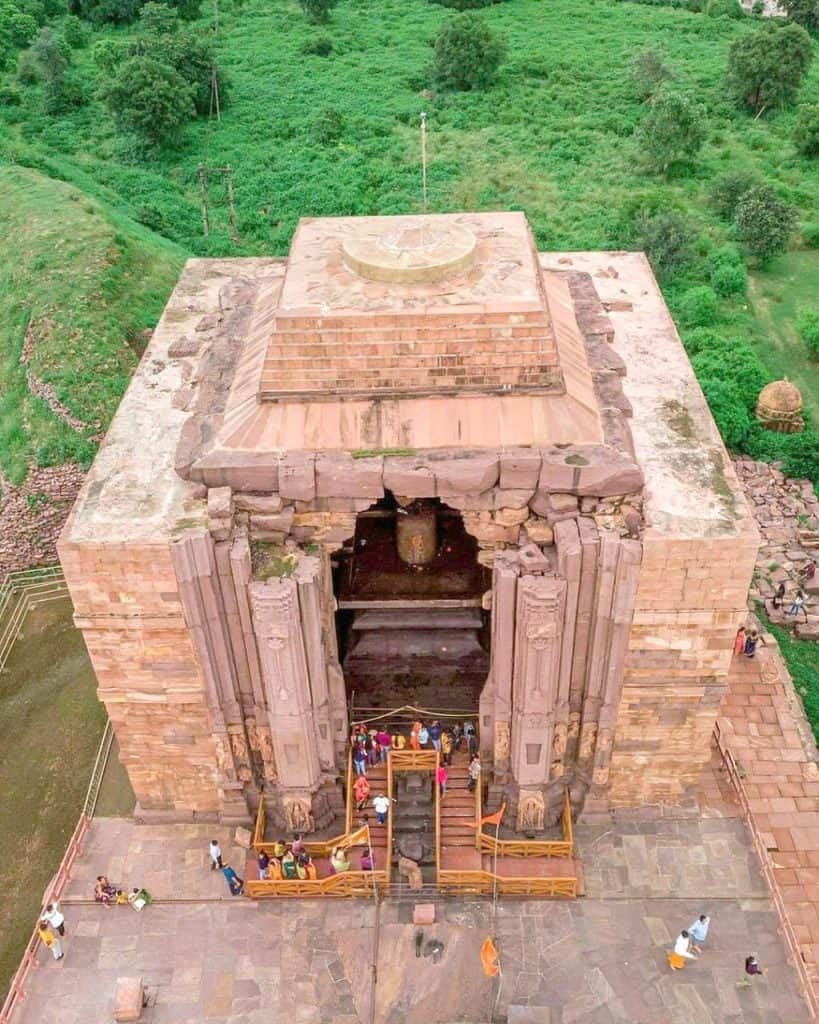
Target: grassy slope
89,281
777,295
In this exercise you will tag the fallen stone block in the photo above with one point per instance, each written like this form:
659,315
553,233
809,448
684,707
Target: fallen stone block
128,999
423,913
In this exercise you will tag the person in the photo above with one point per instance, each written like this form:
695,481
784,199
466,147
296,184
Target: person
360,759
302,861
384,744
698,932
681,953
139,898
279,849
122,898
49,939
472,744
808,572
779,595
752,965
399,741
381,806
457,736
297,846
441,776
274,871
435,734
423,735
263,860
474,773
235,884
415,743
104,892
338,860
446,746
798,604
215,851
371,746
55,918
309,868
367,859
289,866
751,640
739,641
361,792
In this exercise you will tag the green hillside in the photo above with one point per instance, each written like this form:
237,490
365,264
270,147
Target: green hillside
78,285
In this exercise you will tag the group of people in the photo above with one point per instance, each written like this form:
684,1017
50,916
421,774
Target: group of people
51,929
746,641
797,602
371,746
110,895
236,885
361,794
286,862
690,942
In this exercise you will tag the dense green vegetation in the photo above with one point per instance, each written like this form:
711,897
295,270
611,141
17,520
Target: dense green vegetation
577,128
802,658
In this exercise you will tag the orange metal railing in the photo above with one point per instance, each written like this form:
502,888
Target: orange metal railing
532,847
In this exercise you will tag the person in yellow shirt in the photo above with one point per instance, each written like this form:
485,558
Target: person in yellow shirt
399,741
446,746
50,940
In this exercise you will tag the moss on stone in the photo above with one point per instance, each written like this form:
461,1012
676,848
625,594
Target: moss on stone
269,561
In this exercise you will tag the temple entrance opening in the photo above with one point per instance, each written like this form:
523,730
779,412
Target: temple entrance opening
411,624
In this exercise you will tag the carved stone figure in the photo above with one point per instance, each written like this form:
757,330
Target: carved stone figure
268,756
501,741
223,762
531,811
297,814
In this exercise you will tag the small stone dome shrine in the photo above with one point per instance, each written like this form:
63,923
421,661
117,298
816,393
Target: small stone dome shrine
779,407
403,466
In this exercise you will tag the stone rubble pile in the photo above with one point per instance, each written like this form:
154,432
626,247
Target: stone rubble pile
32,516
787,514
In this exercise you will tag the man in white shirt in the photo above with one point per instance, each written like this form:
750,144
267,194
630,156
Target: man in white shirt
215,851
381,805
699,932
682,946
55,918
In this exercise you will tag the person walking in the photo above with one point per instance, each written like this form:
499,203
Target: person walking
381,806
446,747
739,641
682,952
752,640
384,744
474,773
415,743
235,884
55,918
360,759
798,605
435,734
215,851
263,860
441,775
698,932
779,595
49,939
361,792
423,736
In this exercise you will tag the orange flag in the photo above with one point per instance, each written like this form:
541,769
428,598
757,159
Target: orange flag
494,819
489,958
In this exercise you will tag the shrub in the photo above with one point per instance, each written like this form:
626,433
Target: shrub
725,256
667,239
724,9
728,409
648,71
149,98
803,12
466,53
764,223
806,133
766,67
320,47
328,126
729,280
17,28
807,323
726,190
697,307
317,11
673,129
735,362
701,339
810,235
75,32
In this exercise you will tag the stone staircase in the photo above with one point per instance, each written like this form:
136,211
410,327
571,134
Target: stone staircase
377,777
458,819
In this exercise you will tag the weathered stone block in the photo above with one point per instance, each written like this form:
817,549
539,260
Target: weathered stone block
511,516
241,471
297,476
128,999
466,472
411,478
515,498
423,913
539,531
220,503
339,475
281,522
469,502
519,468
266,504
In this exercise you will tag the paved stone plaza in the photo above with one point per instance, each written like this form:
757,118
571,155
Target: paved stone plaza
209,958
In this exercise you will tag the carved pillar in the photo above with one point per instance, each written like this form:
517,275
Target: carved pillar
308,580
335,677
259,729
496,697
535,687
589,544
569,561
200,594
277,624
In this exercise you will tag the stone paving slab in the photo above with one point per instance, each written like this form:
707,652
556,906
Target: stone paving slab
222,960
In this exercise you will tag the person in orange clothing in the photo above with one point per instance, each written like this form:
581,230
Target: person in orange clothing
361,792
415,742
739,641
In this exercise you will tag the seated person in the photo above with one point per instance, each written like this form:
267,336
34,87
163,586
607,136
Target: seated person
289,866
279,849
339,861
104,892
139,898
122,897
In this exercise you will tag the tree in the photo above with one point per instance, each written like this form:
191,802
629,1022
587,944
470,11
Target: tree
649,72
667,239
806,134
766,67
764,223
317,11
673,129
466,53
149,98
726,190
803,12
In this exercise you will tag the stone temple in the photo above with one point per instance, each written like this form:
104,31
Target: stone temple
415,463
